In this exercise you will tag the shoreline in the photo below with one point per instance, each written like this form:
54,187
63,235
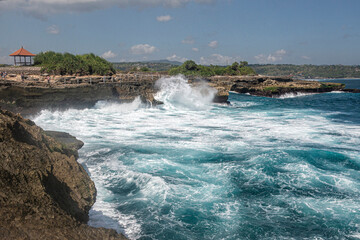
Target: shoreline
33,91
45,192
61,92
113,118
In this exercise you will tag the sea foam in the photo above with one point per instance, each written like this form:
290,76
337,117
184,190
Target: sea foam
260,168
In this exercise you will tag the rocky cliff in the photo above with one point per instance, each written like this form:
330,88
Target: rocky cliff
269,86
35,93
44,192
30,97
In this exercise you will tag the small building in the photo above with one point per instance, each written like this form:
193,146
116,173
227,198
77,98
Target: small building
22,57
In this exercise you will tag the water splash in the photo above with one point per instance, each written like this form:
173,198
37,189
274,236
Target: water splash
295,94
261,168
177,92
106,106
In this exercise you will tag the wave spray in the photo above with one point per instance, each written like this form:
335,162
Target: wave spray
177,92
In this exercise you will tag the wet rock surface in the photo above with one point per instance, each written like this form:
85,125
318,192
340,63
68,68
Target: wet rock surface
269,86
44,192
63,92
29,98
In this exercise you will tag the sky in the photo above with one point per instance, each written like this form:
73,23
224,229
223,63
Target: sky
215,32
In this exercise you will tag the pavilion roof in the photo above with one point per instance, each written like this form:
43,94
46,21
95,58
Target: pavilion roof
22,52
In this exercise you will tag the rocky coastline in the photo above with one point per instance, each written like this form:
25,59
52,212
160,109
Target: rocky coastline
35,93
44,192
271,86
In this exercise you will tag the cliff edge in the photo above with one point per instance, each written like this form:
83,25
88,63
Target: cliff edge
44,192
269,86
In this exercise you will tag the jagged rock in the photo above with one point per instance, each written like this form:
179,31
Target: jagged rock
268,86
44,192
71,144
31,97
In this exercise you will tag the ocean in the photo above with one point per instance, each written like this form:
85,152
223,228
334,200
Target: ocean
259,168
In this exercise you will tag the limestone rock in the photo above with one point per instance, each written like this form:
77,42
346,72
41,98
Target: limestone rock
44,192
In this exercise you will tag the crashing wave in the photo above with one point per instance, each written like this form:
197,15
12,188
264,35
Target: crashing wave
177,92
295,94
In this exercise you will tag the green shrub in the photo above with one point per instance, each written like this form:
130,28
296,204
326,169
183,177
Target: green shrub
190,68
144,69
66,63
271,89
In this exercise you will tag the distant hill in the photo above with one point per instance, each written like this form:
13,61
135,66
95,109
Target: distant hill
155,65
299,71
166,62
308,71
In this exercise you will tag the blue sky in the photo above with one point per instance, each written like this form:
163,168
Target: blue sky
207,31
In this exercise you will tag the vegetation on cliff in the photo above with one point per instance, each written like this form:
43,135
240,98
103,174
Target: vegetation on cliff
277,86
308,71
66,63
190,68
153,66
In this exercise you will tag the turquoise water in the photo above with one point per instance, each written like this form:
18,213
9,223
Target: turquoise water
260,168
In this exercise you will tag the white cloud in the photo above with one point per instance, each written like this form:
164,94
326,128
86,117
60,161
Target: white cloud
165,18
271,58
53,29
213,44
108,54
176,58
42,8
188,40
218,59
195,49
142,49
306,57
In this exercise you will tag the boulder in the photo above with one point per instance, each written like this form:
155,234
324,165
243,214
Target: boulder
44,192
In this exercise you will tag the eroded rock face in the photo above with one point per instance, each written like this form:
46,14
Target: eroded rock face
269,86
31,97
44,192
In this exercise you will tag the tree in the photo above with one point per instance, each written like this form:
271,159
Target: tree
190,65
235,66
190,68
144,69
243,63
58,63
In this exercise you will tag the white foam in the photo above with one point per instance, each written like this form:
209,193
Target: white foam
177,91
294,95
355,235
122,142
104,214
105,106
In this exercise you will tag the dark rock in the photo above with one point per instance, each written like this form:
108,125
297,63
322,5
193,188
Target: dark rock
30,98
269,86
70,143
44,192
352,90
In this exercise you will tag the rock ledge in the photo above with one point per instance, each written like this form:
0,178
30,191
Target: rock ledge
44,192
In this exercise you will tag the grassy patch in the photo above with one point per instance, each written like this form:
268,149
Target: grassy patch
271,89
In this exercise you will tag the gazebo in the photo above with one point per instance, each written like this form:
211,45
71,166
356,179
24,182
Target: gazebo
23,55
